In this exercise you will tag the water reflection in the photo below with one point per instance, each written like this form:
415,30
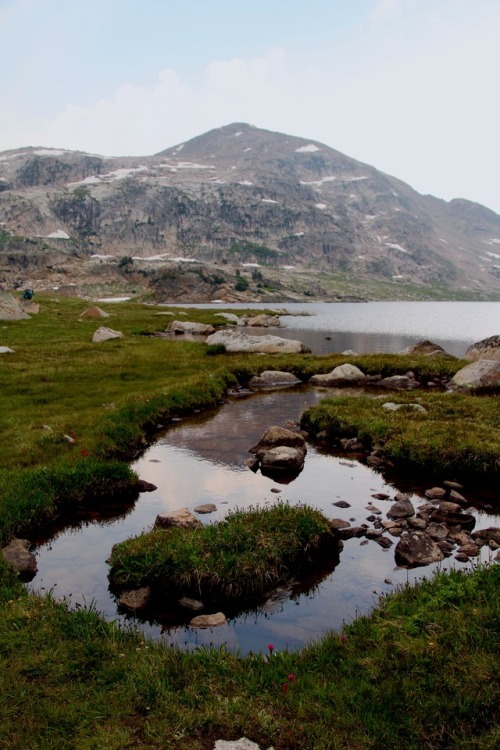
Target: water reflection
200,460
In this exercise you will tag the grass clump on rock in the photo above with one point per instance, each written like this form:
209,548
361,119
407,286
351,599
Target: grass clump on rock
242,556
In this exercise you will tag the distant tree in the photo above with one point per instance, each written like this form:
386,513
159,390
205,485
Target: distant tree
241,284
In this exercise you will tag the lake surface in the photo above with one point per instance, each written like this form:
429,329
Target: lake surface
200,460
381,326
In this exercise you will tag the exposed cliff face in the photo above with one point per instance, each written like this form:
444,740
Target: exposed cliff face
234,196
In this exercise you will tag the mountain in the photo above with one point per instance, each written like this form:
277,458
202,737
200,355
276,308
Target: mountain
237,212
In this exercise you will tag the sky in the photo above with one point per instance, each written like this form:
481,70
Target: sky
407,86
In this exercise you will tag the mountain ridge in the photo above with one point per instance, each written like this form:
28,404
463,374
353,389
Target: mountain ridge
235,198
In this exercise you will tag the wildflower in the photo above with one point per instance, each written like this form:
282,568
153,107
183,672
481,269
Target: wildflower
291,677
285,687
343,638
270,647
84,453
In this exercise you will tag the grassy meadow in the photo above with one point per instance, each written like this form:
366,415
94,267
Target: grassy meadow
420,672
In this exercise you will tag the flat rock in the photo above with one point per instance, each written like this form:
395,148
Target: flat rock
181,518
231,317
492,533
186,326
273,379
434,493
206,508
105,334
390,406
237,341
6,350
399,382
208,621
241,744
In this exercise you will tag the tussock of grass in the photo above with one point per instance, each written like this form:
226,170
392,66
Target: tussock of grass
245,555
459,435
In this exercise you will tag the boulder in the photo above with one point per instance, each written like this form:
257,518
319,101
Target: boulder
426,348
453,518
105,334
208,621
486,535
273,379
481,375
6,350
485,349
275,436
135,599
94,312
417,548
182,518
18,556
186,326
264,321
10,308
346,374
188,603
236,341
402,508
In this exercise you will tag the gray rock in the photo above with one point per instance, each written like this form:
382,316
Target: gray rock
417,548
94,312
399,382
181,518
232,318
482,375
10,309
342,375
135,599
208,621
485,349
237,341
6,350
282,457
277,435
186,326
105,334
273,379
264,321
17,554
206,508
390,406
425,348
188,603
241,744
403,508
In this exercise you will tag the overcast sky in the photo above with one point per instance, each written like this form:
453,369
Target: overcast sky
408,86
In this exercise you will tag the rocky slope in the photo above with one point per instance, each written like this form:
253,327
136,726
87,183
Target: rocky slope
238,212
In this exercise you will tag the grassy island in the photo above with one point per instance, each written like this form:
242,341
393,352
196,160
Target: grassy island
420,672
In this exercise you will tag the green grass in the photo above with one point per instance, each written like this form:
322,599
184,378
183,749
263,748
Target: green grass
459,435
421,672
245,555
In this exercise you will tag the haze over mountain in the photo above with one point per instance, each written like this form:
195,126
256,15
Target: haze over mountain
236,202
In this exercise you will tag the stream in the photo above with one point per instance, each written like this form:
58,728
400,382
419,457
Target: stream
201,460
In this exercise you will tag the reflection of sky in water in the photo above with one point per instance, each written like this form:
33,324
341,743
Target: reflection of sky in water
201,461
